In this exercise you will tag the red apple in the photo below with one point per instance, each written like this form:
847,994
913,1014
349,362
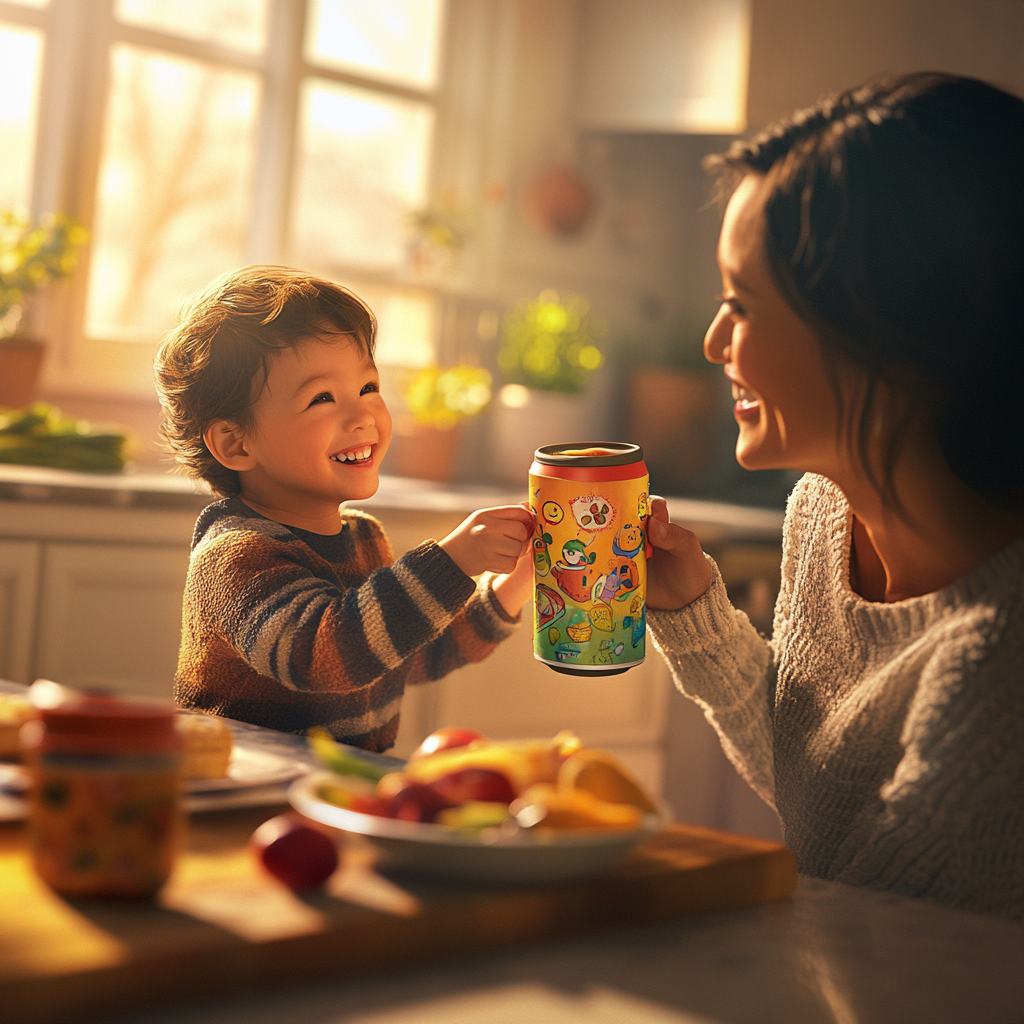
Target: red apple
474,784
300,856
417,802
445,739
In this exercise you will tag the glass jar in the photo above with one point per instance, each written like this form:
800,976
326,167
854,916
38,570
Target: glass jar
105,808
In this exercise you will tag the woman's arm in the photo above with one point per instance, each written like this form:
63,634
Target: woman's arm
722,663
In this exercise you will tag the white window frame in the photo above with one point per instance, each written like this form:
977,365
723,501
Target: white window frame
78,36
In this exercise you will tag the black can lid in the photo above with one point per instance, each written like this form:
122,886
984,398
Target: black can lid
589,453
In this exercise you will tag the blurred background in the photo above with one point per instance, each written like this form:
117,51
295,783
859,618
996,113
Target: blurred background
513,185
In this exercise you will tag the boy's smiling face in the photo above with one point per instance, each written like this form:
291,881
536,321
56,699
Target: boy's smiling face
320,430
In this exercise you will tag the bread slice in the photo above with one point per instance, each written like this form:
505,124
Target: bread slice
208,743
15,711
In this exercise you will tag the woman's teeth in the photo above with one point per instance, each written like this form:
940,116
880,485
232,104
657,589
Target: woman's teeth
359,455
741,394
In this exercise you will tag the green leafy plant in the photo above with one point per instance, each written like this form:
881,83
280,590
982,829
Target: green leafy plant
33,255
551,344
443,398
40,436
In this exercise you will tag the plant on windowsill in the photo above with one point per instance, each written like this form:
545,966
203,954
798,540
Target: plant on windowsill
439,402
548,352
32,256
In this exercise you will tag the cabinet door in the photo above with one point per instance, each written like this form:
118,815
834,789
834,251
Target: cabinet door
19,592
111,616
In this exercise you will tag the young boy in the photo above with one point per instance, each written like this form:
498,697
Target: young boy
296,614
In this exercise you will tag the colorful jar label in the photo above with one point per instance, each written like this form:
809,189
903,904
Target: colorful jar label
101,831
590,573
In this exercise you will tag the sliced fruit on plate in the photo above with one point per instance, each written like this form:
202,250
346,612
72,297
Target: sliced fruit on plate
605,777
546,807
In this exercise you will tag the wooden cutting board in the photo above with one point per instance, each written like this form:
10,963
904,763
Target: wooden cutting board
222,926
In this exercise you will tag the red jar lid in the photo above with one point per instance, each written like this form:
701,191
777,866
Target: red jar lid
94,723
590,461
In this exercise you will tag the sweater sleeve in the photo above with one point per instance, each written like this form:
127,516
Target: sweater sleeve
722,663
471,636
310,634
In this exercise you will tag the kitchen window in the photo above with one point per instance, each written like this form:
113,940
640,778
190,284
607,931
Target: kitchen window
194,136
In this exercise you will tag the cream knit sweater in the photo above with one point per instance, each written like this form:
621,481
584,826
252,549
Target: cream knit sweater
889,737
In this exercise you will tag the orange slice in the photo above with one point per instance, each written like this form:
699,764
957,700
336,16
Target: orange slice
603,776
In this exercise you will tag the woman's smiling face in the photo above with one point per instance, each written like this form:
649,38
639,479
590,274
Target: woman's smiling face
784,403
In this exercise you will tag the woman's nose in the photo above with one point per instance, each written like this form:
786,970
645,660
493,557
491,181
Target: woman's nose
718,338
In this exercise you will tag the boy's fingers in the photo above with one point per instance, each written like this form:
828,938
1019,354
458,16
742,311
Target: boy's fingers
659,508
521,513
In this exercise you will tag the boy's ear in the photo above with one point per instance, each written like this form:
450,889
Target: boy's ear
227,445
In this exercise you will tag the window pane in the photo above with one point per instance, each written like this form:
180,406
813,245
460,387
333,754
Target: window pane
174,192
406,323
362,166
393,39
238,23
20,62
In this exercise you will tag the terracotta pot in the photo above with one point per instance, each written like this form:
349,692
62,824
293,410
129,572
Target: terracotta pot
424,452
671,415
21,359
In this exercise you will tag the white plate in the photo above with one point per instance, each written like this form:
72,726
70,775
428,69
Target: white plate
249,767
494,857
255,778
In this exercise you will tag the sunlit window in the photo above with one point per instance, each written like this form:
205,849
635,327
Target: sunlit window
175,188
20,62
396,39
362,165
195,136
241,24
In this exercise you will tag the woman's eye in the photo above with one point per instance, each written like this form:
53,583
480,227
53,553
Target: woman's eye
369,388
732,304
324,396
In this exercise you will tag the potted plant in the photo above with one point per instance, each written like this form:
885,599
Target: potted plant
672,408
548,352
439,401
32,256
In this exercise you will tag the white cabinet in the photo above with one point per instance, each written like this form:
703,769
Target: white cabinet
110,616
19,589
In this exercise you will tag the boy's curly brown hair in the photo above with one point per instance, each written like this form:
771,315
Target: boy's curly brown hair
214,364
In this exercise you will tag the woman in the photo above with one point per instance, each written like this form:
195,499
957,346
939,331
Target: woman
872,260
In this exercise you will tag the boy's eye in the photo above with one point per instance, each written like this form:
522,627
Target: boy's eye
369,388
324,396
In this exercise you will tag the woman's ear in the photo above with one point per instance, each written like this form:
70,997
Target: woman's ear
227,445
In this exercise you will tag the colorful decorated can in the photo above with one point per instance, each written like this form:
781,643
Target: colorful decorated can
589,556
105,813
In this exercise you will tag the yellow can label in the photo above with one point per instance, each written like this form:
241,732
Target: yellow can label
590,572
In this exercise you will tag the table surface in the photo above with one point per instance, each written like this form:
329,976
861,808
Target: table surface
828,955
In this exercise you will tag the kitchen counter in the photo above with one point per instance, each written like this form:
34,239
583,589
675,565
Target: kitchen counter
714,521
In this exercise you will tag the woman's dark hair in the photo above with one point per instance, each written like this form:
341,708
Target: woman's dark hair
214,364
894,226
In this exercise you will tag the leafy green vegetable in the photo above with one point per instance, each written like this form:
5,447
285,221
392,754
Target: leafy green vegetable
336,758
39,436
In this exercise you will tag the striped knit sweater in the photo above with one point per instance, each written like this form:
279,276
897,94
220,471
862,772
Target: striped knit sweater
290,630
889,737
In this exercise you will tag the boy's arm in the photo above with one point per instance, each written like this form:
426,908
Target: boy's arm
472,635
311,634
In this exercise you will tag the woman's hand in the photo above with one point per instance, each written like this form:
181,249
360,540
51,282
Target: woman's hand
677,571
491,540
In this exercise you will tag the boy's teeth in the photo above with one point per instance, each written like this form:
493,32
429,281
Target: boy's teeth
361,455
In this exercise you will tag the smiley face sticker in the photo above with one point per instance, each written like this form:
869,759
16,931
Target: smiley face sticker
552,512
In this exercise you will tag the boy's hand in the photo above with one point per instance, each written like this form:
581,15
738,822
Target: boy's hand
490,540
677,571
